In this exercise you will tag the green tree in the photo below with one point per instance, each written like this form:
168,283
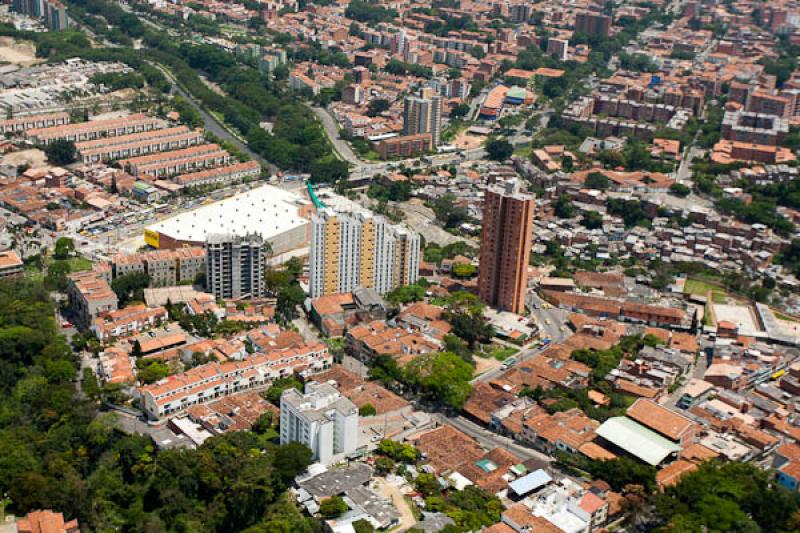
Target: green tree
597,180
64,248
61,152
367,410
442,376
378,106
499,149
333,507
130,287
273,394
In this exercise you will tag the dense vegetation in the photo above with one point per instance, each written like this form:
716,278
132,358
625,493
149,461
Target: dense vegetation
58,452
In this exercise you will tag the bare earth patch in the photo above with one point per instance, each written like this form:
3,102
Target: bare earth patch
467,141
34,158
21,53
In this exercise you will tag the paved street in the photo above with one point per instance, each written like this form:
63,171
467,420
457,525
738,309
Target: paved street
332,130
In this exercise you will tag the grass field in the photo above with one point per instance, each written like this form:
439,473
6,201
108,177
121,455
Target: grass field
701,288
788,318
503,353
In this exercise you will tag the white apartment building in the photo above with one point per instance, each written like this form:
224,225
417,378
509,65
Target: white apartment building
352,250
321,419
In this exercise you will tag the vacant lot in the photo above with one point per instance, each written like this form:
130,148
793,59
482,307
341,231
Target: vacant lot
21,53
701,288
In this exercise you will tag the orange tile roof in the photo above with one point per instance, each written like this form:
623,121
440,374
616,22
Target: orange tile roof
660,419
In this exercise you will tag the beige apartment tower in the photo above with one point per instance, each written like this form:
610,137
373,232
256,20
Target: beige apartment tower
506,246
423,114
352,250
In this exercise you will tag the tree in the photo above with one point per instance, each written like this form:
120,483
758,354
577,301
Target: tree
114,189
333,507
470,326
273,394
151,370
288,300
592,220
384,465
596,180
367,410
64,248
464,270
567,164
61,152
378,106
405,294
459,111
130,287
427,484
136,349
362,526
679,189
499,149
563,207
443,377
446,210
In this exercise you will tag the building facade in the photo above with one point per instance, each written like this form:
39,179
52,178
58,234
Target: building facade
423,114
321,419
505,247
235,266
352,250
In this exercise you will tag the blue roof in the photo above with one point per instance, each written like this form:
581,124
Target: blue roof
531,482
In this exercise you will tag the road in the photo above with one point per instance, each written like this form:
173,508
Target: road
211,124
491,440
332,130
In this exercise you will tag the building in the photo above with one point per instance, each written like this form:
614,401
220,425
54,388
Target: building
22,124
42,522
52,12
89,297
128,321
505,246
593,24
174,394
275,214
321,419
423,114
558,48
95,129
165,267
235,266
405,146
11,265
352,250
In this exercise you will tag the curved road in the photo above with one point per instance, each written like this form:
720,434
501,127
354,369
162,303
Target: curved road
210,123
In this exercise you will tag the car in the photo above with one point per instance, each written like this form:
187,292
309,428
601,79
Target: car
66,324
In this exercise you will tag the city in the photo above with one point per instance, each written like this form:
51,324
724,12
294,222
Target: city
488,266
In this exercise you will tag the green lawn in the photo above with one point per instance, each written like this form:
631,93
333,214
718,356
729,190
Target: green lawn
524,151
503,353
788,318
701,288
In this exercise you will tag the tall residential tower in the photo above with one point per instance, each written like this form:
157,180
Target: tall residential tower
351,250
423,114
235,266
506,246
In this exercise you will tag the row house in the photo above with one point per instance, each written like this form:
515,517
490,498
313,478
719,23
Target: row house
137,144
128,321
95,129
177,161
204,383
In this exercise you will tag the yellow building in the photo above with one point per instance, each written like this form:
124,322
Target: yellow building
351,250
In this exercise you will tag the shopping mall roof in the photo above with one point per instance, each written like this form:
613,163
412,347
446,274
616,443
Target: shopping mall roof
268,211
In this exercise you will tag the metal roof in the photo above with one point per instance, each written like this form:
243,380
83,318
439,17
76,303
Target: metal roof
531,482
637,440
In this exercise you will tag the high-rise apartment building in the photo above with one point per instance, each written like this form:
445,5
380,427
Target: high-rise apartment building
423,114
593,24
506,246
235,266
52,12
322,419
351,250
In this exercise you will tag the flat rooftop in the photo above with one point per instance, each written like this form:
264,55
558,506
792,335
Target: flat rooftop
267,211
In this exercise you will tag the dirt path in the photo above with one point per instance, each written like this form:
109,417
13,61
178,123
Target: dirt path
388,490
